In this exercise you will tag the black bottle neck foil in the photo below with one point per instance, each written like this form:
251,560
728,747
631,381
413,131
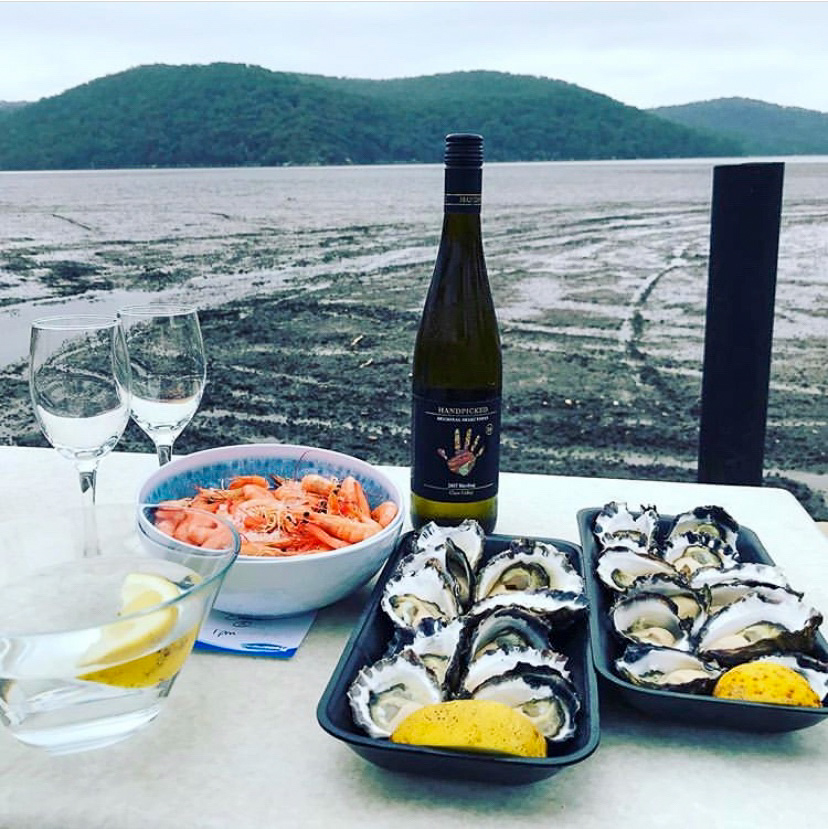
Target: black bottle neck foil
464,173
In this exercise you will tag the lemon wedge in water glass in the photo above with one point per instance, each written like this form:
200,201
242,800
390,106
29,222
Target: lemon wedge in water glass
129,646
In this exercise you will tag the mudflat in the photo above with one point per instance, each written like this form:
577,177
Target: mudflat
309,320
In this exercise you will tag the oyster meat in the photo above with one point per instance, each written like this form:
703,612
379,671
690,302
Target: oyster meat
692,605
382,695
667,669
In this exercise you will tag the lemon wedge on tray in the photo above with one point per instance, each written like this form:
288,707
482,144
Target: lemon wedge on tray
131,647
472,725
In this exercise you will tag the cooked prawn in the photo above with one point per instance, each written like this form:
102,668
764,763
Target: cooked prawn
292,517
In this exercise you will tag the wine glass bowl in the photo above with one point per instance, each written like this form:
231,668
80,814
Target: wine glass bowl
80,389
166,356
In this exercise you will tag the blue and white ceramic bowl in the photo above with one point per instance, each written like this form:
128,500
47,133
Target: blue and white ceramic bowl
257,586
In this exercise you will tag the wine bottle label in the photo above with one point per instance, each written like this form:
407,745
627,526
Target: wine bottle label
456,445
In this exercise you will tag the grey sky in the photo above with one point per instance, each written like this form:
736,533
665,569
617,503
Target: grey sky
644,54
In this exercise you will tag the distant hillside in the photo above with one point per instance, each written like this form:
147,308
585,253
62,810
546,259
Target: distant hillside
763,129
10,106
230,114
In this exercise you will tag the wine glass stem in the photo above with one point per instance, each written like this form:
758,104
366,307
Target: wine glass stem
164,453
87,472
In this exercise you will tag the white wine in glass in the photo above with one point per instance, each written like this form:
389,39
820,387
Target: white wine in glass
79,382
166,356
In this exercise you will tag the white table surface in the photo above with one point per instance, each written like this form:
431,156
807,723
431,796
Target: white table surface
238,746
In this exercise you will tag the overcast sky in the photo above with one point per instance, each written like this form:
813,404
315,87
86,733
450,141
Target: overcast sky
644,54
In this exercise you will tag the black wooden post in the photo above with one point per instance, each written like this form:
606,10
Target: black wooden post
744,243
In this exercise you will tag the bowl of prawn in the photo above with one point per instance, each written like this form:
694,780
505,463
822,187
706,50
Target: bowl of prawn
315,524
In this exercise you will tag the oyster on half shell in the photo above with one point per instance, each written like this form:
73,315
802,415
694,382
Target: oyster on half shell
382,695
691,551
426,593
616,526
438,644
549,700
505,627
527,565
753,627
503,660
620,568
650,619
667,669
708,520
468,537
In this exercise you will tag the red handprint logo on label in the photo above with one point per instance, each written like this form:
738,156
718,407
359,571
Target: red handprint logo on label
465,456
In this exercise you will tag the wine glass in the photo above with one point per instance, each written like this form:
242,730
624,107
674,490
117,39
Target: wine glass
80,387
166,356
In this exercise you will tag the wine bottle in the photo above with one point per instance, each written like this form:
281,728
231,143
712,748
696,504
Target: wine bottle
457,368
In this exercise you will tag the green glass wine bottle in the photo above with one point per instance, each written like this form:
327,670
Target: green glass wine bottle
457,367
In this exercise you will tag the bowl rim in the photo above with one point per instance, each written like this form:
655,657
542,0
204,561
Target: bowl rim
193,460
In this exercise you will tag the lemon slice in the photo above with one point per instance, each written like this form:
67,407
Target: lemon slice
131,638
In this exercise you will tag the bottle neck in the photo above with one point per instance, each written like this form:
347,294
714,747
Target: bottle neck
463,188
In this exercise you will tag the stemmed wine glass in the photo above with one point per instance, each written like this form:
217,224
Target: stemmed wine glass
79,381
166,356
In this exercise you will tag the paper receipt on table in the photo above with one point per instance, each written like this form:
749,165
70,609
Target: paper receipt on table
253,634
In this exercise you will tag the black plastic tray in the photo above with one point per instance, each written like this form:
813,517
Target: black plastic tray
671,705
368,642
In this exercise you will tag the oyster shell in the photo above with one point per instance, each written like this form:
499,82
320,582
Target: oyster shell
620,568
438,645
691,551
724,593
549,700
692,605
410,597
744,571
814,670
650,619
503,660
527,565
452,561
505,627
382,695
555,606
709,520
616,526
468,537
753,626
667,669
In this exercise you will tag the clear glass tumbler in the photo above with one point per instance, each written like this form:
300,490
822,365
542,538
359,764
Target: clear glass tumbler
90,647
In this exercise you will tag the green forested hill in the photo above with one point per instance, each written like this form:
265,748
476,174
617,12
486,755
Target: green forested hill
762,128
229,114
